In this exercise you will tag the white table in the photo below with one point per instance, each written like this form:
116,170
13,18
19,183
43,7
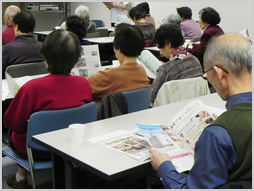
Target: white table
103,162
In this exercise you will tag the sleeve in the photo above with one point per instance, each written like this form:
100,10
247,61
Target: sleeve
100,84
214,156
19,112
157,83
5,60
199,49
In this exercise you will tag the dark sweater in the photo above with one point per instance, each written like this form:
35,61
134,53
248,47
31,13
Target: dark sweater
238,122
25,49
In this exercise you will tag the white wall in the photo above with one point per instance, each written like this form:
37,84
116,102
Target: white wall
235,16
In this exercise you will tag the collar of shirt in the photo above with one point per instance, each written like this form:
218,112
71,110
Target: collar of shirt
239,98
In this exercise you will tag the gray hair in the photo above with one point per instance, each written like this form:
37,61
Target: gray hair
232,51
83,11
173,18
12,10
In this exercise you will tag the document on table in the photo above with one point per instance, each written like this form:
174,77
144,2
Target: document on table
5,90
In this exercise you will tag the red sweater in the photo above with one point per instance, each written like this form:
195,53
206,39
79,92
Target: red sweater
46,93
8,35
198,50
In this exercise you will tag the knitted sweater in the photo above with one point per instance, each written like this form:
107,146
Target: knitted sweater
174,70
46,93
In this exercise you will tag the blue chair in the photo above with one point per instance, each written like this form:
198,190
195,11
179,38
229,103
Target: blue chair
99,23
138,99
46,121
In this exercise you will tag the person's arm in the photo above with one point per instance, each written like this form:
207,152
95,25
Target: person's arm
100,84
214,156
125,7
19,112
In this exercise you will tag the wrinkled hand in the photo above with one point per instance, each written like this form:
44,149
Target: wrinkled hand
158,158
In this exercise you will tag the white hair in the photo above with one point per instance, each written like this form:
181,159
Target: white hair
83,11
12,10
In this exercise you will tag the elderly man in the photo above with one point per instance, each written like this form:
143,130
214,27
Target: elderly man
8,35
25,48
223,153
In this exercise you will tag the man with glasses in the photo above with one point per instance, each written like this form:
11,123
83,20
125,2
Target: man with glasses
223,153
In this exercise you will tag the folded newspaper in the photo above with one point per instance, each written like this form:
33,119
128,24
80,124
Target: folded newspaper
177,139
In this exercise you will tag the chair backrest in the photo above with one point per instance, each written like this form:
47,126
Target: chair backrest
51,120
138,99
92,35
99,23
179,90
103,32
27,69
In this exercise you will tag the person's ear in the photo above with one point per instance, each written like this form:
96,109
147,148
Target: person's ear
219,73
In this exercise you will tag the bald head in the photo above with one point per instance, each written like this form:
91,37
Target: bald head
9,13
232,51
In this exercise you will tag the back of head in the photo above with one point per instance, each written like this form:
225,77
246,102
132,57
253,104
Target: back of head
25,22
129,39
76,25
137,12
12,10
169,33
210,16
82,11
61,50
173,18
232,51
184,12
145,6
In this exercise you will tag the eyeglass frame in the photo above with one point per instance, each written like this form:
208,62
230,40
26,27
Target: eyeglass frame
205,78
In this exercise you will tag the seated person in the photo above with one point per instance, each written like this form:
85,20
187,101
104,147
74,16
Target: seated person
148,18
169,40
58,90
76,25
25,48
174,18
208,21
188,25
223,153
8,35
128,44
138,14
83,12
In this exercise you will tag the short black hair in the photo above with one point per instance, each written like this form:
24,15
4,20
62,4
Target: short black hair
168,33
25,22
76,25
184,12
210,16
137,12
61,49
145,6
129,39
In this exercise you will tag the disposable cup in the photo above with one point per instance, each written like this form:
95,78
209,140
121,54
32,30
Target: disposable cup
77,133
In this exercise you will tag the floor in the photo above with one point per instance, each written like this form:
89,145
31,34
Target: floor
43,178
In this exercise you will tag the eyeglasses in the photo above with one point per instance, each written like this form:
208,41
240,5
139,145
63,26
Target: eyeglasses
205,78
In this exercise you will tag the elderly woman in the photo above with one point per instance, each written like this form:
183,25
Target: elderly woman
83,12
188,25
208,21
76,25
169,40
58,90
128,44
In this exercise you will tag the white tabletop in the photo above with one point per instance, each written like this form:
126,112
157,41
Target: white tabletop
107,161
42,32
101,40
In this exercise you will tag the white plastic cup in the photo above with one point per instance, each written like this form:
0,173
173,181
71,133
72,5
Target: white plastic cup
77,133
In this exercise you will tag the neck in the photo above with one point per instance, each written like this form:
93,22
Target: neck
142,20
127,60
241,84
